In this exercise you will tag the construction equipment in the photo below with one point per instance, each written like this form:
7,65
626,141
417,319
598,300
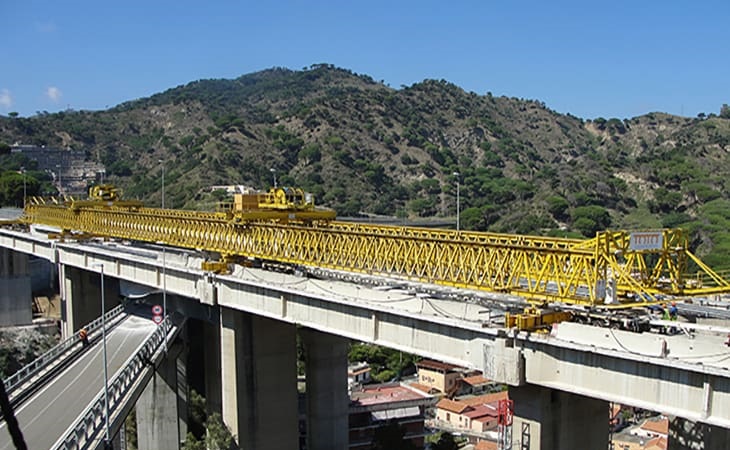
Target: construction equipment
616,269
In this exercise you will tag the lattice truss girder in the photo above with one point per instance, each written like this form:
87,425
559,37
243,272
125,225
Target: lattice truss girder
540,268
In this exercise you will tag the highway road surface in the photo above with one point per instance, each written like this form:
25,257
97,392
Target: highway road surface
46,416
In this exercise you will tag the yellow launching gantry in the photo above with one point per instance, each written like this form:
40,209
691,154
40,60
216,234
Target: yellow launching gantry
616,269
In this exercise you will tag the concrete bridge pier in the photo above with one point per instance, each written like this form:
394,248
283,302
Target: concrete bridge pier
81,297
548,419
327,398
162,407
687,435
258,376
15,289
212,367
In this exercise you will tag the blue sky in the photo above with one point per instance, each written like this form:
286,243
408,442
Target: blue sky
591,59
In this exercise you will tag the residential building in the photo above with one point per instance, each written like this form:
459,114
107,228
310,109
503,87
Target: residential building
658,443
486,445
358,373
653,427
475,383
440,376
375,405
477,415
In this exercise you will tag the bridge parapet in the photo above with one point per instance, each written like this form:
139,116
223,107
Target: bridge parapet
27,377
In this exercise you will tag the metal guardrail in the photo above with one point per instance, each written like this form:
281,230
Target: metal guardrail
87,432
29,371
697,310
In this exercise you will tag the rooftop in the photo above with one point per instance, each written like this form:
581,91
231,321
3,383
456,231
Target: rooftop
376,394
436,365
451,405
658,443
476,380
486,445
482,411
484,399
659,426
422,387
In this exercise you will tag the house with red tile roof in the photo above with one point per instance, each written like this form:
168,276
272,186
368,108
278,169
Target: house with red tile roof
440,376
451,380
475,384
478,414
653,427
486,445
658,443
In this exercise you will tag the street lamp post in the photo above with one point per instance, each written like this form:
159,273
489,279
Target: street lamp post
107,437
163,182
273,172
60,182
458,183
164,294
22,170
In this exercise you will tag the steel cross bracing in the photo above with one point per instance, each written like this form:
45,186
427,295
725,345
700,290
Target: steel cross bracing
583,272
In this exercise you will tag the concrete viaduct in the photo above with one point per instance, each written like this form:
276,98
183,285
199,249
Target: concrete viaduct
562,382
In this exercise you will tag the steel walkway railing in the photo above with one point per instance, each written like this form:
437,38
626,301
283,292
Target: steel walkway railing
25,379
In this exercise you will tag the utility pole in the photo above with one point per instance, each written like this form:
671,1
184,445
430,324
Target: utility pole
163,182
107,436
458,183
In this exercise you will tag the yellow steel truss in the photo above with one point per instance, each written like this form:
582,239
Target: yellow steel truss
618,267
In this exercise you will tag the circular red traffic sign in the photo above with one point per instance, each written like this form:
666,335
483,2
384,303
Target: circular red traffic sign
157,310
157,319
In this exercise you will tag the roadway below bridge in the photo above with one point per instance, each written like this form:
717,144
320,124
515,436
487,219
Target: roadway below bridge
50,413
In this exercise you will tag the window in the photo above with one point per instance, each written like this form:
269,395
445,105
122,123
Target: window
448,417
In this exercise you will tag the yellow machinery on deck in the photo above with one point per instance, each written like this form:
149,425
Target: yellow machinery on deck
615,269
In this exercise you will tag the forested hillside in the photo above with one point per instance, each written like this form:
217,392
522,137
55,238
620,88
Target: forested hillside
365,148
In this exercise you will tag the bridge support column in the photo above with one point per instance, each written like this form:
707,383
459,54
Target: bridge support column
212,362
258,372
81,297
162,404
327,398
685,434
15,289
548,419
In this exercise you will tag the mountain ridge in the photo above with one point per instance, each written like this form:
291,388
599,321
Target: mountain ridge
363,147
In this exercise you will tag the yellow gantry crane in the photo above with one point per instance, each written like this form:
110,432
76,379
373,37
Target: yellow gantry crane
614,269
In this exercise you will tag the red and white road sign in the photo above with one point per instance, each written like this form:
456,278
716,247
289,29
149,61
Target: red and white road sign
157,310
157,319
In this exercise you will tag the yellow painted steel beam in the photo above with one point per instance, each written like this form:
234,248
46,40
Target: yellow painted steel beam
637,266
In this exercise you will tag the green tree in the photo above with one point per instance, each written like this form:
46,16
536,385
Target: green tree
558,207
218,436
472,219
310,154
591,219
